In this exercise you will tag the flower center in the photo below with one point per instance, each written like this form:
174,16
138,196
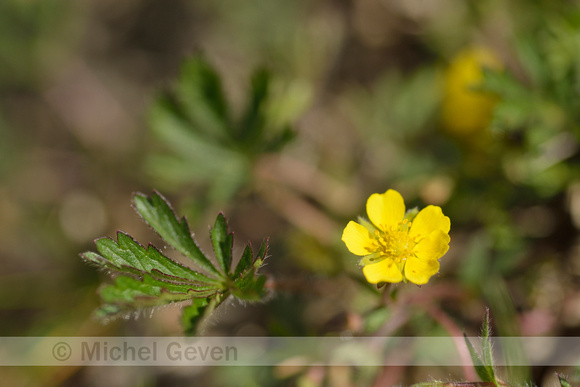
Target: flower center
395,243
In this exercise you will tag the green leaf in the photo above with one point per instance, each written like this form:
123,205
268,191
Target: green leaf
484,364
480,368
192,315
205,146
263,251
222,243
107,265
250,288
174,286
195,313
245,261
249,285
119,256
200,93
486,347
276,143
563,381
253,120
126,289
128,295
161,217
106,311
146,278
194,146
127,252
531,58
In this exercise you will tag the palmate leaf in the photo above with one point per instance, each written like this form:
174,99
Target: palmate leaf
145,278
206,141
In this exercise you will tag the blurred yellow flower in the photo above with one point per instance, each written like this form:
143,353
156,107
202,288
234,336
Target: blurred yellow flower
466,110
398,246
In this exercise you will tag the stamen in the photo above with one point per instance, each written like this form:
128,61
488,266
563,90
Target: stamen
394,242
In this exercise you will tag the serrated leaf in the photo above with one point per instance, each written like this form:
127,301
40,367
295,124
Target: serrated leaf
126,289
156,274
120,257
166,265
263,251
245,261
128,252
250,288
147,278
222,243
105,264
247,284
180,287
137,294
157,212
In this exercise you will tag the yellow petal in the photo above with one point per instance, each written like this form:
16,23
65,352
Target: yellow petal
386,210
434,246
429,219
384,271
419,271
357,239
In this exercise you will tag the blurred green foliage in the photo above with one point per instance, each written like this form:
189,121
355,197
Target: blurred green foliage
538,115
207,145
30,31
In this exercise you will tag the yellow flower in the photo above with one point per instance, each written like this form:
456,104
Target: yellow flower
465,109
398,246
